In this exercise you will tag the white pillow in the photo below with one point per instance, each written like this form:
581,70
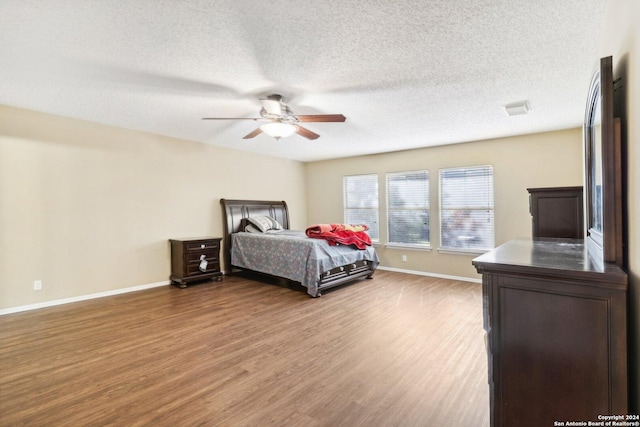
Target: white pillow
264,223
250,228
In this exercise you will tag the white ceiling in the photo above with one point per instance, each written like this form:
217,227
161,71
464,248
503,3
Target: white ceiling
405,73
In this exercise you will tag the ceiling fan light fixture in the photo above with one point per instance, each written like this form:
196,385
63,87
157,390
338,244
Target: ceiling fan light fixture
278,130
281,122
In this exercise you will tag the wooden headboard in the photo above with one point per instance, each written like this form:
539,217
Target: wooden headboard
234,211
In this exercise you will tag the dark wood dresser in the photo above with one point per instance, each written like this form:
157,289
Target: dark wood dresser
556,328
557,212
195,259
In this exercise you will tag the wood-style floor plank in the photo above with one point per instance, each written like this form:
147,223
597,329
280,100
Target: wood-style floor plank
398,350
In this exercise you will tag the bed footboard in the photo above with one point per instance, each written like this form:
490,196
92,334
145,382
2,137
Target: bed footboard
345,273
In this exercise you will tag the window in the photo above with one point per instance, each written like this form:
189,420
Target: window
466,208
361,202
408,208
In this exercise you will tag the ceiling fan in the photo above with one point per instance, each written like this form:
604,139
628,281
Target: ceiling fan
281,122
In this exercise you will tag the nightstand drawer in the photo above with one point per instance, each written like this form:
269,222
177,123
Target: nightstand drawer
197,256
194,269
202,245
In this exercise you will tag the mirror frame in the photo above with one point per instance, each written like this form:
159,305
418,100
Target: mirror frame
604,241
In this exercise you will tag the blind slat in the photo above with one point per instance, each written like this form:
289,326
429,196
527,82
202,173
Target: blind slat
466,208
361,202
408,207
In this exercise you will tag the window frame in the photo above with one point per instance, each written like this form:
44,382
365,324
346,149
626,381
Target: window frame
467,207
394,244
376,209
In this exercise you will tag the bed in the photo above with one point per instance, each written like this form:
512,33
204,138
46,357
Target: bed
289,254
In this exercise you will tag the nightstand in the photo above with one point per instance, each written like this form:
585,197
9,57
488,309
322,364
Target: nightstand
195,259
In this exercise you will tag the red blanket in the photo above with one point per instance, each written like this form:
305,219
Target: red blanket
341,234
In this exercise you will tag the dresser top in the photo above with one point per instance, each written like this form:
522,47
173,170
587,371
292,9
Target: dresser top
553,189
545,256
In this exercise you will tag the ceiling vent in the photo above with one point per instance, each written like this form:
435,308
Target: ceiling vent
517,108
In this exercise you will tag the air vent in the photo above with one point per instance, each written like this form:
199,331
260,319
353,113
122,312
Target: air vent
517,108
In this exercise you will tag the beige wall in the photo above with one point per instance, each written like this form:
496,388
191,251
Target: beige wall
538,160
621,39
88,208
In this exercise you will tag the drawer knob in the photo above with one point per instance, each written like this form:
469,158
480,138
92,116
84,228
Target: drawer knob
202,246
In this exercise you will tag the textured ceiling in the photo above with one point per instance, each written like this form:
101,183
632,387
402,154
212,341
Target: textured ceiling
405,73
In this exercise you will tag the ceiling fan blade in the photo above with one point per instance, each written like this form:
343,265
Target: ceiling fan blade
321,118
255,119
306,133
255,133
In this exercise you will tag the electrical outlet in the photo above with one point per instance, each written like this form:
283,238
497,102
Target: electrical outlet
404,258
37,285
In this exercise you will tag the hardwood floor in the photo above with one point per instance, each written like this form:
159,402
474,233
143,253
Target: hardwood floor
398,350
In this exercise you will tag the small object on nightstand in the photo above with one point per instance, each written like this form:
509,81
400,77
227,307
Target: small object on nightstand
195,259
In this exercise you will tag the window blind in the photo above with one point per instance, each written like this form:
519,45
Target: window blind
466,208
361,202
408,208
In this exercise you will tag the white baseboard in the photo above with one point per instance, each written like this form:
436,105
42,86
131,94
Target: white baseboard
424,273
53,303
81,298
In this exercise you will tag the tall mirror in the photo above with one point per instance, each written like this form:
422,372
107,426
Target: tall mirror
603,180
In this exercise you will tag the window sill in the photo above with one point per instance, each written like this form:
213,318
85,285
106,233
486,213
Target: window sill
455,251
408,247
